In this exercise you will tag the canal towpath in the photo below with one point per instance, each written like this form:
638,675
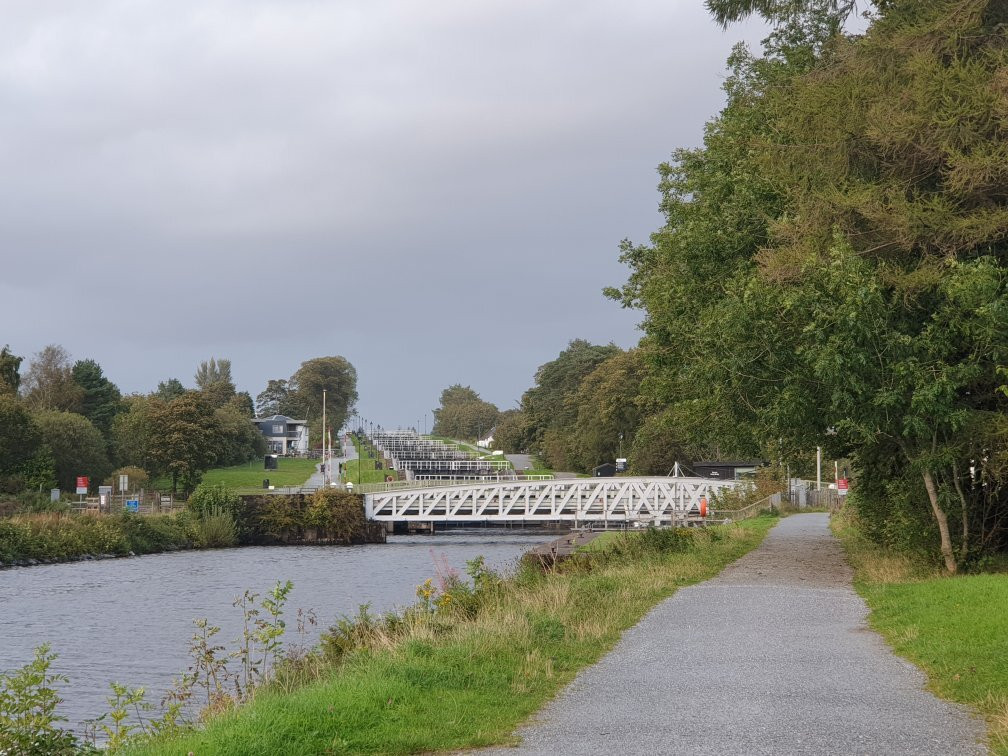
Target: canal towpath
347,453
773,656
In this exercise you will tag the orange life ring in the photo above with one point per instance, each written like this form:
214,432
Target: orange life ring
703,506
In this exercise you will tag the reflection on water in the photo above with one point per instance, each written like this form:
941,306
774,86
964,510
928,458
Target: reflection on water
130,620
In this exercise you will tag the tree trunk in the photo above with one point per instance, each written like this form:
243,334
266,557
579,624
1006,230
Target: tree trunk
964,547
942,520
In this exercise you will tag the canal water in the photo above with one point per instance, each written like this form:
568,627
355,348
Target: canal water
131,620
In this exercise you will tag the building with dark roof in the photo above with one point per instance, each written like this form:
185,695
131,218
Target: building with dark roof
284,435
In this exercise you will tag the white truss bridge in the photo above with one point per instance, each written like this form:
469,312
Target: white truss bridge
588,500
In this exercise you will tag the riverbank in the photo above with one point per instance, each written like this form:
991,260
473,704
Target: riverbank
464,667
30,540
214,519
953,628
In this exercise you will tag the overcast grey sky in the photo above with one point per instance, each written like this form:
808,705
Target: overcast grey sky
435,190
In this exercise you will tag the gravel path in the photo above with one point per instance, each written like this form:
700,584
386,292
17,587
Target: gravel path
771,657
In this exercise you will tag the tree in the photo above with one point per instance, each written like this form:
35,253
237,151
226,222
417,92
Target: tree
463,414
547,405
780,11
655,449
213,378
512,432
10,377
24,460
833,267
170,389
77,447
242,403
237,439
131,434
273,400
100,398
609,410
19,434
334,375
49,383
213,371
183,438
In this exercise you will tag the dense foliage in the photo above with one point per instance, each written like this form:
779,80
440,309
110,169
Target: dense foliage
66,419
463,414
832,270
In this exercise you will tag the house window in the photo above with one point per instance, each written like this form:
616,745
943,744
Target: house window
278,429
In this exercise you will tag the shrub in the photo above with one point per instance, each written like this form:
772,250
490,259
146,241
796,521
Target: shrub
214,530
212,499
154,533
28,718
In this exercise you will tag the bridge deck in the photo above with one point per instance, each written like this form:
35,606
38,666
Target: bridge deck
652,500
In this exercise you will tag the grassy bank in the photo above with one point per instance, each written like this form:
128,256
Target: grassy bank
291,471
215,517
464,667
954,628
30,539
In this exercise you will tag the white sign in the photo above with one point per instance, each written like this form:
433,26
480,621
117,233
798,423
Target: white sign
123,483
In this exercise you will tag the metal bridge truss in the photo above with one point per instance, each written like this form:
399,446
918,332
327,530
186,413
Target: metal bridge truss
650,500
454,465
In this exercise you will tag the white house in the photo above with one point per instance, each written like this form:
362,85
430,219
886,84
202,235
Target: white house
284,435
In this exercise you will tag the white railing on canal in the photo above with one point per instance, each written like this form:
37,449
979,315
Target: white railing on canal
651,500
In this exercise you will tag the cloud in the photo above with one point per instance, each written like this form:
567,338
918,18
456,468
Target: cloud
246,178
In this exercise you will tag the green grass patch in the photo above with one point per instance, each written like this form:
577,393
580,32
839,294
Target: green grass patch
464,671
291,471
954,628
363,471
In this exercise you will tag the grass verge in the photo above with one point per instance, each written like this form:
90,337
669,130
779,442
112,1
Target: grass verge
291,471
462,670
954,628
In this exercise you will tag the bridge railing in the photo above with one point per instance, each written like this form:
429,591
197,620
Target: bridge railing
583,500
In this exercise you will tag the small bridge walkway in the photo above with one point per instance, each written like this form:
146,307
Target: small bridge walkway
628,500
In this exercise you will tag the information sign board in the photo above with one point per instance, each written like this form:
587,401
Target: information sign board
123,483
132,505
82,484
842,485
54,494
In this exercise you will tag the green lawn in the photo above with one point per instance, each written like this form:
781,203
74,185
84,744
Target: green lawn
466,675
954,628
362,470
291,471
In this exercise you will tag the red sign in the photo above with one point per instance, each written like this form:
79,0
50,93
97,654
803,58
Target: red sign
842,486
82,484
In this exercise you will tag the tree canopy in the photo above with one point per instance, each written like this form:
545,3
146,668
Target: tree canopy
100,399
463,414
832,268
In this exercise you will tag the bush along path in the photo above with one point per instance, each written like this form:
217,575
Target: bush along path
771,657
470,661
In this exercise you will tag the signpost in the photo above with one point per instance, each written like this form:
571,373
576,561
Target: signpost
82,485
133,505
123,483
841,486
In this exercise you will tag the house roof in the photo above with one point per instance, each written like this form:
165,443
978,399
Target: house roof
276,418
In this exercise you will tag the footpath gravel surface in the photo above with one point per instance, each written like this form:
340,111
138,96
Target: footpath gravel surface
773,656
